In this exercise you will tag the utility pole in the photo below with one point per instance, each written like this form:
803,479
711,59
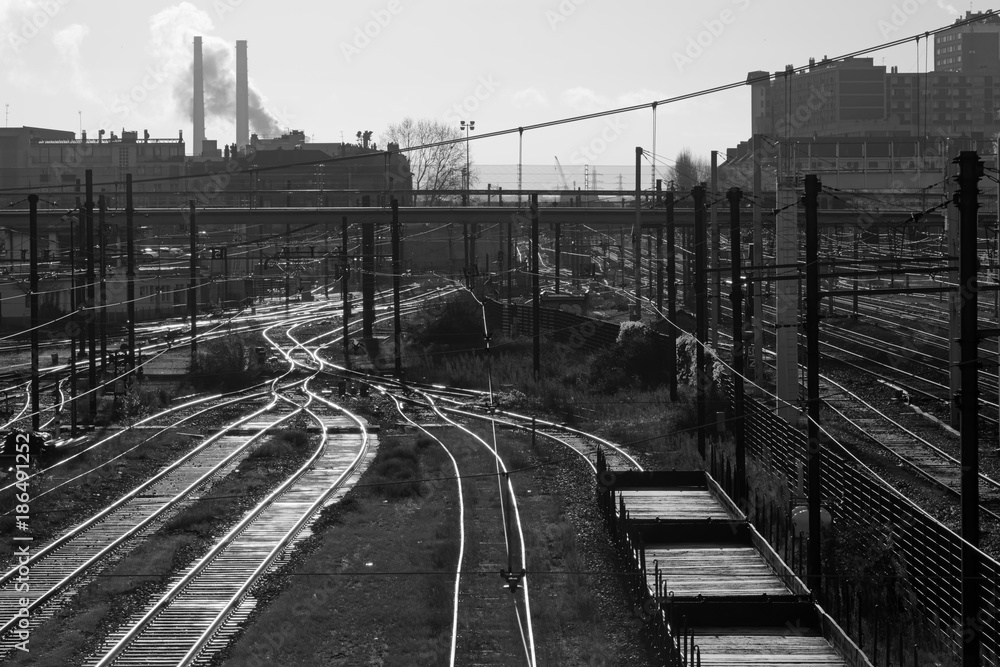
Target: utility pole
510,259
558,253
466,271
345,274
637,238
326,265
671,296
757,260
367,281
814,446
659,251
74,323
130,273
193,284
786,299
954,300
288,259
396,270
735,195
701,310
91,278
33,288
536,311
102,208
970,171
715,263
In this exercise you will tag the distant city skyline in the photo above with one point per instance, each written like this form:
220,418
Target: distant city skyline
333,70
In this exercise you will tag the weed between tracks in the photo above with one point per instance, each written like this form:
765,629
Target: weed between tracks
373,584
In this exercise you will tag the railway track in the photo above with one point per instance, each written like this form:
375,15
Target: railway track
58,567
219,585
167,632
904,444
205,605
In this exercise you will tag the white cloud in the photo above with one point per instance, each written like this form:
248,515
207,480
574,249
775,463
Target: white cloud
21,21
529,97
585,100
67,42
172,30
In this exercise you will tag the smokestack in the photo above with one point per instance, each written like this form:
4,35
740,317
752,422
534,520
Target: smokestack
242,96
199,100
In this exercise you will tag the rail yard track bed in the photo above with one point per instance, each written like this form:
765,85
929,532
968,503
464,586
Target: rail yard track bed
374,584
145,567
908,453
65,494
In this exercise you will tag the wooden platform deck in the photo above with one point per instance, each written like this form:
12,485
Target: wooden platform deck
736,647
717,578
673,504
713,570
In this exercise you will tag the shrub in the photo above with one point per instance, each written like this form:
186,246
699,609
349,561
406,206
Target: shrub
455,326
635,361
395,472
228,363
284,444
133,405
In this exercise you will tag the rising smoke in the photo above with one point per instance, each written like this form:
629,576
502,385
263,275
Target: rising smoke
219,62
172,32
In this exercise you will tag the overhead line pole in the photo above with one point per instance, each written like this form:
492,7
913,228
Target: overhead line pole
814,445
701,310
735,195
130,272
970,170
757,261
396,269
345,275
637,238
715,262
193,282
91,278
102,208
671,295
33,289
536,310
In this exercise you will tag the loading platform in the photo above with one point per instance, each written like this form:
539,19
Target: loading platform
711,590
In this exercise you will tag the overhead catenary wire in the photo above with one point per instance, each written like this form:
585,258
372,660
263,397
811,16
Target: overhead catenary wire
652,104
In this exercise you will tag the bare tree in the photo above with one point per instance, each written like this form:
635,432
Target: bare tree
434,168
689,171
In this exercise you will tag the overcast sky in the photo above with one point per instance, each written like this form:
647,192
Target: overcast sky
332,68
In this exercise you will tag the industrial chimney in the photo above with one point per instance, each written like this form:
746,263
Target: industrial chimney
199,100
242,97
